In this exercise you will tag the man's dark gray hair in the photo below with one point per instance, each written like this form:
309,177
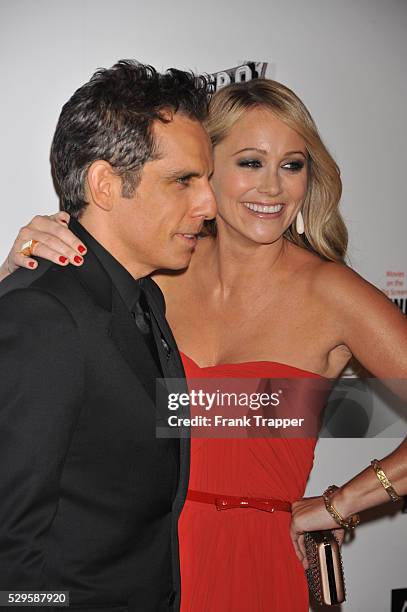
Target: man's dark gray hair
111,118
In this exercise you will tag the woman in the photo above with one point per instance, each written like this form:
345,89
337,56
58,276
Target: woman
266,296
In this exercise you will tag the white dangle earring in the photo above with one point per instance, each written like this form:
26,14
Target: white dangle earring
299,223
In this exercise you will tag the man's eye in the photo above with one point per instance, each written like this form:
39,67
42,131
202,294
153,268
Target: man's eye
250,163
183,180
294,166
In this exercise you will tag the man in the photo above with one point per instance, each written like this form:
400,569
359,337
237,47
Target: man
90,497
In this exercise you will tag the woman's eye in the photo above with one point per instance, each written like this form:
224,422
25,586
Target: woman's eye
294,166
250,163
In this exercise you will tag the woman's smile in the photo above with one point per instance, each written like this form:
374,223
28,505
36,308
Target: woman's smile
264,211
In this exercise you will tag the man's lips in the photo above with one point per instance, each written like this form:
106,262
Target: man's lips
190,238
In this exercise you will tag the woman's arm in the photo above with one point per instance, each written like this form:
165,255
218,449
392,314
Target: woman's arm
375,331
365,490
367,323
55,242
360,493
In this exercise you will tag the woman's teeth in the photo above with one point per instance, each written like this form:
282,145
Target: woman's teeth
264,209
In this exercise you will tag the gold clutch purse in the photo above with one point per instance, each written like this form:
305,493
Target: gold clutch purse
325,572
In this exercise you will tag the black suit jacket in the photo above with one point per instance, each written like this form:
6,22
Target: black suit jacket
89,497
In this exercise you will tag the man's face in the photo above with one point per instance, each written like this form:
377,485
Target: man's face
158,226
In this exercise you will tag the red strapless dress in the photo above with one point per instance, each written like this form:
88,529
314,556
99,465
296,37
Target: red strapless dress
242,559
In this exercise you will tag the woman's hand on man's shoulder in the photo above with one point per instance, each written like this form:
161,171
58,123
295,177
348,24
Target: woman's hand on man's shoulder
52,240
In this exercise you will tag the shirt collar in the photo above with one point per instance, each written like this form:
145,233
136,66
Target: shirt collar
127,286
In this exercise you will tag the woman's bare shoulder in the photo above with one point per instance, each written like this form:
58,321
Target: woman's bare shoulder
325,275
338,283
306,265
336,286
363,308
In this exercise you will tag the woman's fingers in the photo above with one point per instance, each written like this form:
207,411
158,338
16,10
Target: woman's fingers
309,514
54,241
16,260
339,535
47,246
56,251
61,217
56,225
297,549
301,546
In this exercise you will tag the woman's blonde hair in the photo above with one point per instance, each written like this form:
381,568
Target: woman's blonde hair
325,230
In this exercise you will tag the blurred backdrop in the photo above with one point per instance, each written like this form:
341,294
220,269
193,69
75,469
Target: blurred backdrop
346,60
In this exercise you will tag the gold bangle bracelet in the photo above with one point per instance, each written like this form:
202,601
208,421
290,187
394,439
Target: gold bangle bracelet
349,523
384,481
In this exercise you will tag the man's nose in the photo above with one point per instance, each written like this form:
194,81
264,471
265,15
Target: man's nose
207,204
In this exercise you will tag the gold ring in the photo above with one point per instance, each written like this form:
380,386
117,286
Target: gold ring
28,248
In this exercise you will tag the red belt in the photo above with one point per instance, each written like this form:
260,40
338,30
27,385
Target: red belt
225,502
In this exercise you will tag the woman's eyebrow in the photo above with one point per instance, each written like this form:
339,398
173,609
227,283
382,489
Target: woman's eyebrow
264,152
294,153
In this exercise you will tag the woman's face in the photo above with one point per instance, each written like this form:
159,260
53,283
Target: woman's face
260,177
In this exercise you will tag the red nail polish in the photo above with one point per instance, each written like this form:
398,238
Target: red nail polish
63,259
31,264
77,259
81,249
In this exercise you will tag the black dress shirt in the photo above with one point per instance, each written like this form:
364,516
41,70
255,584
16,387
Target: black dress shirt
129,288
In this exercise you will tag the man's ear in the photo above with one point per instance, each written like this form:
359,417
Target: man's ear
104,184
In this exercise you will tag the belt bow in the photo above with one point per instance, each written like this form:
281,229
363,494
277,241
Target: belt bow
227,502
